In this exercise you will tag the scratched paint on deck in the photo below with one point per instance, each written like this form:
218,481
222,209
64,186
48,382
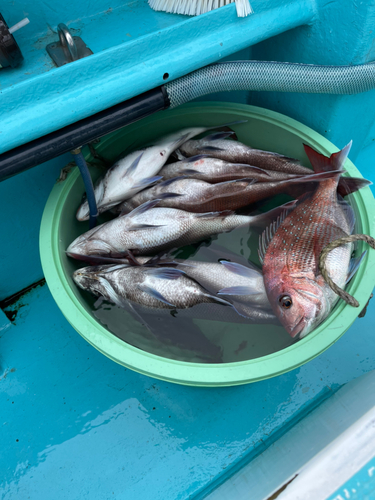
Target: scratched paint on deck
94,427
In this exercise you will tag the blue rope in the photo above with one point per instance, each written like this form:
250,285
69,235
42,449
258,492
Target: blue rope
83,168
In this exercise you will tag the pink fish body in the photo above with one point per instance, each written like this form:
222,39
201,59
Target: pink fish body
291,247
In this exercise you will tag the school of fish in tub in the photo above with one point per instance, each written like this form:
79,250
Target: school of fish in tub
166,206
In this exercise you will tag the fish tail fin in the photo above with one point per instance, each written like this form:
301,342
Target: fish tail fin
322,163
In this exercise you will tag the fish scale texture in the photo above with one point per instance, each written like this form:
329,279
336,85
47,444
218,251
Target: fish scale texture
271,76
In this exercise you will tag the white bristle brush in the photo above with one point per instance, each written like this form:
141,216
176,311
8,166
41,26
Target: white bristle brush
197,7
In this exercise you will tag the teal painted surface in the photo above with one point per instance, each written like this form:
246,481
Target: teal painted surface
22,201
76,425
342,34
37,98
359,487
119,434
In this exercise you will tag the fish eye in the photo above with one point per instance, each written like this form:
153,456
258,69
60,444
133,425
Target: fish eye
285,301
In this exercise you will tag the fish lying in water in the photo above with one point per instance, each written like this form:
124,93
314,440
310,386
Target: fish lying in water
148,230
136,171
236,152
290,250
198,196
214,170
242,283
151,287
157,288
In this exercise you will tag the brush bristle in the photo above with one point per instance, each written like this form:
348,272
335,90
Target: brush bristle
197,7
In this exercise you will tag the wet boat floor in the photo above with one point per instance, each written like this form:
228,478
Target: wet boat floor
76,425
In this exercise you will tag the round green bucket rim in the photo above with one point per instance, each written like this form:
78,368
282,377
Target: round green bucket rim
201,374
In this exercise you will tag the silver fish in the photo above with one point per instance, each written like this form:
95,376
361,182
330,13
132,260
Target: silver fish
236,152
243,283
214,170
150,287
149,230
136,171
198,196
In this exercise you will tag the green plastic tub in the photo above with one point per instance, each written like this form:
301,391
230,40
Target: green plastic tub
264,130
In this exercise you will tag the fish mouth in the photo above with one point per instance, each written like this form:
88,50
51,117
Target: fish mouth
298,328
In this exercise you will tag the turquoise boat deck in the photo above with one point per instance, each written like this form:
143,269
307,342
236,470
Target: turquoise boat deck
74,424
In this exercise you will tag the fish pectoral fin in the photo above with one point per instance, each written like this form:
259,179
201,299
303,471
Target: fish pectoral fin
133,166
238,290
239,269
142,208
147,181
154,293
165,273
354,266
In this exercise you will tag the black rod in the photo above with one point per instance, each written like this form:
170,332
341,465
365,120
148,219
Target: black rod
73,136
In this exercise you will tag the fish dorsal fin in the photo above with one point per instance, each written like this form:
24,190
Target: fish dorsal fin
218,136
171,181
266,237
322,163
237,122
180,140
165,273
192,159
113,268
133,166
279,155
141,209
148,181
265,219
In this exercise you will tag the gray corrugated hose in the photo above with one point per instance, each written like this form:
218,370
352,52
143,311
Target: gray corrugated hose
269,75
